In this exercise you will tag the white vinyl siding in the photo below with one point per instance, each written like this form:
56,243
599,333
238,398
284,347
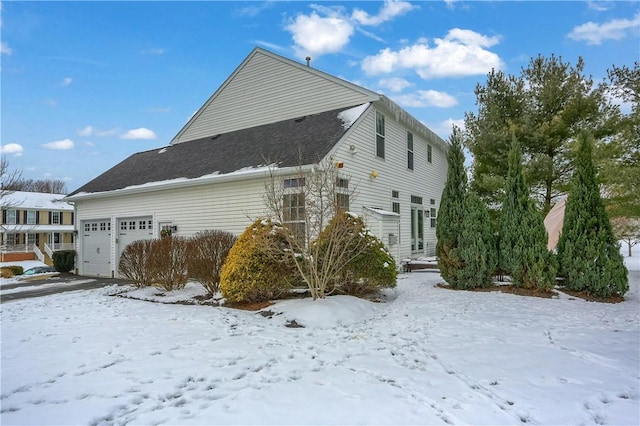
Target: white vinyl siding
427,180
267,90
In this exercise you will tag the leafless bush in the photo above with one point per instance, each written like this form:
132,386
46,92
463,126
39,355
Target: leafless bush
167,262
207,253
134,263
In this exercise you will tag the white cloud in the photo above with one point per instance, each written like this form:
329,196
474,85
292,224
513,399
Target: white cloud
423,98
92,131
389,10
140,133
66,81
87,131
89,143
62,145
395,84
460,53
12,148
5,49
599,6
153,51
317,35
616,29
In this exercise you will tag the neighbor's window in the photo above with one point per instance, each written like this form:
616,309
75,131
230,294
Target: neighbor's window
55,218
429,153
379,135
31,217
342,202
11,217
410,150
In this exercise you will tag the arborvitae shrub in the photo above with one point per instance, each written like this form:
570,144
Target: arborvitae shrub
167,263
523,250
16,269
64,260
451,212
207,252
133,263
257,267
372,267
476,247
588,252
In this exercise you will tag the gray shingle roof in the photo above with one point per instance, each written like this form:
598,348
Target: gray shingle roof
288,143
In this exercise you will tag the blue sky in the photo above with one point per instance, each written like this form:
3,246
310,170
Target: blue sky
86,84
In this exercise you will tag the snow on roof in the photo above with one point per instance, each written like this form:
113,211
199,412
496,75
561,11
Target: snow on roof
36,200
349,116
382,211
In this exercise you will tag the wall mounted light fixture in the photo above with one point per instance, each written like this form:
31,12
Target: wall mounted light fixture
374,174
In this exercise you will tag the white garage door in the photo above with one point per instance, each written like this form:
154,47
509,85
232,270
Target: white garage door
132,229
96,248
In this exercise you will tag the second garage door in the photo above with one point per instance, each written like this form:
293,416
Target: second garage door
132,229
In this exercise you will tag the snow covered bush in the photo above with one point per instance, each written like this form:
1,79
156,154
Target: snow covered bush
167,261
207,252
257,267
368,266
64,260
133,263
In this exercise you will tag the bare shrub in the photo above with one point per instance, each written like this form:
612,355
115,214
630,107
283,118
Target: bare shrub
134,263
167,262
207,253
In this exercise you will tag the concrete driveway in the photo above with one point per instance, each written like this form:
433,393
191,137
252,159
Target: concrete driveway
61,283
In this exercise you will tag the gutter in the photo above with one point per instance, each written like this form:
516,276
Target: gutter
187,183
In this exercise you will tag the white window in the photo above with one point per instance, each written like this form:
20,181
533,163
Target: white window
11,217
380,132
55,218
31,217
429,153
410,150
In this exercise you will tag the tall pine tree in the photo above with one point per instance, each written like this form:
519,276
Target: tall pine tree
476,246
451,211
588,252
523,238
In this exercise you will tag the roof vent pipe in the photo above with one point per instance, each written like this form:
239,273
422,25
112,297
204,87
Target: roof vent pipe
308,58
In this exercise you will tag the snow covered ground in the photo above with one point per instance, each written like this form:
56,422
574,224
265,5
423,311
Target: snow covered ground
426,356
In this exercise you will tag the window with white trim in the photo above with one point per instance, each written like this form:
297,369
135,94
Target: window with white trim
55,218
429,153
31,217
410,150
380,134
11,217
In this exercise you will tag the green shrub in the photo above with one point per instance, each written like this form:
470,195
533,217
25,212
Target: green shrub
370,266
257,267
16,269
207,252
64,260
10,271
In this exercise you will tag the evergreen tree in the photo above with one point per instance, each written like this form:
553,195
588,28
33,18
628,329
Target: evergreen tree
451,210
588,252
523,250
476,247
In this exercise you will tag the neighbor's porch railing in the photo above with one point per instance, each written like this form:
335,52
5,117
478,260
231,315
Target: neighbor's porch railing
50,248
38,253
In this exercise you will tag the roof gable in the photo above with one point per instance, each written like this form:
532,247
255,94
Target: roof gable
267,88
289,143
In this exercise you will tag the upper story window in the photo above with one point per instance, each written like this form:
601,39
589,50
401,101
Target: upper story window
379,135
31,217
11,217
55,218
293,183
395,194
342,183
429,154
395,207
410,150
416,200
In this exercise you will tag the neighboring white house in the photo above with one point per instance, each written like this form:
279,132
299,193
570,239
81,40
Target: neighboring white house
34,225
271,114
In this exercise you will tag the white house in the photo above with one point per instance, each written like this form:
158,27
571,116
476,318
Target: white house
271,113
34,225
